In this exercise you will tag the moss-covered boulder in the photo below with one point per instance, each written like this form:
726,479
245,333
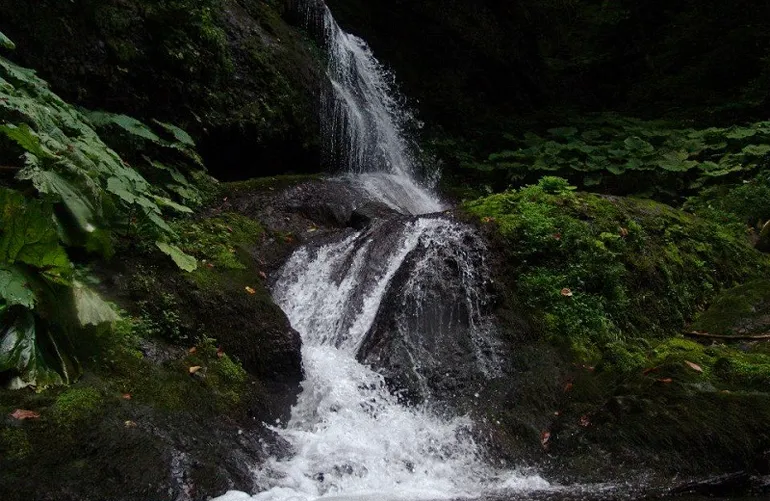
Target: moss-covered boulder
606,286
740,311
595,269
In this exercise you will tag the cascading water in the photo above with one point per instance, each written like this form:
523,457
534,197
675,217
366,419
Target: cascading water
351,434
363,124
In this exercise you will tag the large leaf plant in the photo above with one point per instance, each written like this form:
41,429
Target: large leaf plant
62,188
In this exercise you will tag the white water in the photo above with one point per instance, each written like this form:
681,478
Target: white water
363,123
350,437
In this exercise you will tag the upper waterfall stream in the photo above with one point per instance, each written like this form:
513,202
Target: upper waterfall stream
351,435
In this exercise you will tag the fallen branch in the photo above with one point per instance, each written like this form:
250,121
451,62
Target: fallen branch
737,337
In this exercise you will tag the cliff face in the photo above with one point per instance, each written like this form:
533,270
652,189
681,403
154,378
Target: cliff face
242,80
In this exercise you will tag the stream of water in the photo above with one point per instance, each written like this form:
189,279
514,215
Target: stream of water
350,435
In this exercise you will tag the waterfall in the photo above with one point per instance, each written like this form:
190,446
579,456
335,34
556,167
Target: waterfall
411,286
363,123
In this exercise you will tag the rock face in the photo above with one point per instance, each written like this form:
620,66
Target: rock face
252,106
434,335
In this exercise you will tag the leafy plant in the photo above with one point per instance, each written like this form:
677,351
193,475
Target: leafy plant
62,187
656,157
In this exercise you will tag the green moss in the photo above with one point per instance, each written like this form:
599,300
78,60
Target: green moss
594,270
272,183
75,405
743,309
14,443
214,241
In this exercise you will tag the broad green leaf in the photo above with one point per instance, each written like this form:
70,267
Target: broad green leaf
6,42
28,235
759,150
27,139
14,287
639,145
128,124
740,133
179,134
117,186
184,261
165,202
91,308
50,182
20,352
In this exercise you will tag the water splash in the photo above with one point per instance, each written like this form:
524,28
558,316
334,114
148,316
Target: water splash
350,435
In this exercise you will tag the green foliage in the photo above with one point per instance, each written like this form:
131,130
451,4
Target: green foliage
215,240
184,261
594,270
747,203
166,157
70,190
75,405
607,151
5,42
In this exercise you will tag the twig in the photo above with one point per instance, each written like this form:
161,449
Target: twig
737,337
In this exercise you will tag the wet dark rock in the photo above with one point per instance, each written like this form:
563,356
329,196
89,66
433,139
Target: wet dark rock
433,337
731,484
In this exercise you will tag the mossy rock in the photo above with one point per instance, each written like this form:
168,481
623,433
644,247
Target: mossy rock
595,269
742,310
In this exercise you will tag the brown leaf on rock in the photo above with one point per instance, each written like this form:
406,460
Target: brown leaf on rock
22,414
694,366
545,438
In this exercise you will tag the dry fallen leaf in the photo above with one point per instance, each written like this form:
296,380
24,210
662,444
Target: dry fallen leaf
250,290
194,369
262,274
584,421
192,350
545,437
130,424
126,396
623,232
567,387
648,370
665,380
693,366
566,292
22,414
